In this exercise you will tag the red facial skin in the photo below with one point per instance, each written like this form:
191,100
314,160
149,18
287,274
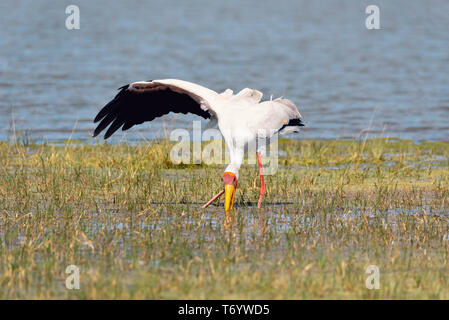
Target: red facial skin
230,178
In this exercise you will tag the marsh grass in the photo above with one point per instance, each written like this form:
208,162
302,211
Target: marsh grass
132,222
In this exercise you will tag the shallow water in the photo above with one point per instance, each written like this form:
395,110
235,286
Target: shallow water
344,78
279,220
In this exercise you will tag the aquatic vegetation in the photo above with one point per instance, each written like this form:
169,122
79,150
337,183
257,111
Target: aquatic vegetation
132,222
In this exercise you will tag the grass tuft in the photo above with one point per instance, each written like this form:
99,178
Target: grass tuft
132,222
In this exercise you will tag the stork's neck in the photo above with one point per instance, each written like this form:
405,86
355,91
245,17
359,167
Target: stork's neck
233,169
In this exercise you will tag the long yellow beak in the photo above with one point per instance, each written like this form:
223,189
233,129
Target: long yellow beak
229,197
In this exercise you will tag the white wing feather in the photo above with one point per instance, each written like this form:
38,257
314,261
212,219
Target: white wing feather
207,98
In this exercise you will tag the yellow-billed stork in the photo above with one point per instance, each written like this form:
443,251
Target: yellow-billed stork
242,118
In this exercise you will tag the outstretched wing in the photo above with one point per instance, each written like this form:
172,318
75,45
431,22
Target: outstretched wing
147,100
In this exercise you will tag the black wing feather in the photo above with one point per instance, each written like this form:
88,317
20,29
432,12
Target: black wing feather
112,105
118,122
129,108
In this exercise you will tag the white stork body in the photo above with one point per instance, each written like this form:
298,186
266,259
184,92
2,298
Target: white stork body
246,120
242,118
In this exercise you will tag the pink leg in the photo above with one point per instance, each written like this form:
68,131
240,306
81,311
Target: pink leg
213,199
262,182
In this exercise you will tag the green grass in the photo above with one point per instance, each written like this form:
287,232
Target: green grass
132,222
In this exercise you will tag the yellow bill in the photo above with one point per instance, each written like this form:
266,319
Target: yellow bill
229,197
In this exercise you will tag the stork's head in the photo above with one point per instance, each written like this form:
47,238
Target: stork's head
230,184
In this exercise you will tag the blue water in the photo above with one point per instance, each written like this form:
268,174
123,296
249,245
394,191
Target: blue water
344,78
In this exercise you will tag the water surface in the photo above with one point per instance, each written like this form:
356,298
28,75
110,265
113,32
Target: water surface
344,78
